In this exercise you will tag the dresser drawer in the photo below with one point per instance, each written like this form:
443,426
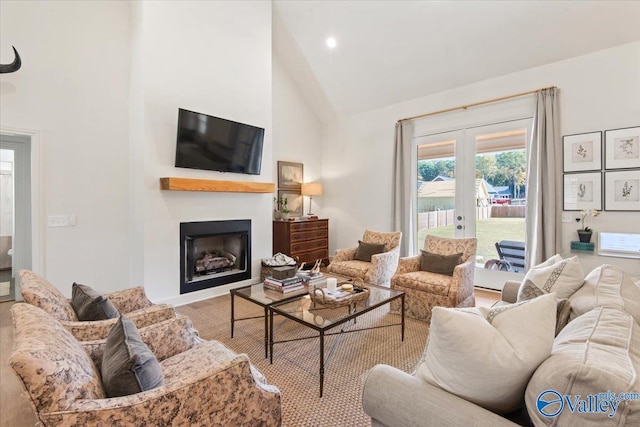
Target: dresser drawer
308,225
312,256
309,245
309,235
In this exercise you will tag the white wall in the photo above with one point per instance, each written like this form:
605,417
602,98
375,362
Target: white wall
214,58
297,131
102,82
72,90
598,91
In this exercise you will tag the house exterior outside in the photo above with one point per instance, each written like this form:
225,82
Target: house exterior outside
440,194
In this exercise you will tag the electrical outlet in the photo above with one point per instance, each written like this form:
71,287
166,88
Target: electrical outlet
58,220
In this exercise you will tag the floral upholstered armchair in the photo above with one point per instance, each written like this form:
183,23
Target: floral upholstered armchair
382,265
425,289
133,302
205,383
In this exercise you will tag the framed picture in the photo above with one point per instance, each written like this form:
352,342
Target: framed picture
582,191
622,148
290,175
582,152
294,201
622,190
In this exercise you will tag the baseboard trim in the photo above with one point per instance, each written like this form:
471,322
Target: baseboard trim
205,294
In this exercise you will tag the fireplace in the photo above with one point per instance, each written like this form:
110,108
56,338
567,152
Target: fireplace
214,253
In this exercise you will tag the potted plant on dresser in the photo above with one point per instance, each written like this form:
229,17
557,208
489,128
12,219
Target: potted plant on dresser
285,212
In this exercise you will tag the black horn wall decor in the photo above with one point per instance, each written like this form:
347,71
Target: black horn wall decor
14,66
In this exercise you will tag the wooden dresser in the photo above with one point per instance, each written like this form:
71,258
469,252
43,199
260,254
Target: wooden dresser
305,241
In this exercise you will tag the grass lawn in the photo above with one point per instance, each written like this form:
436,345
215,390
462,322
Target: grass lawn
488,232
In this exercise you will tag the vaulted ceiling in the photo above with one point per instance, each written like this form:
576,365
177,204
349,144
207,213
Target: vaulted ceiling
392,51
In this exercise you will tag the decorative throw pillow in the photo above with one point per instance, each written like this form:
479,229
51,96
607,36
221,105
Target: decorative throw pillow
441,264
607,286
487,355
563,277
563,310
90,305
128,366
366,250
550,261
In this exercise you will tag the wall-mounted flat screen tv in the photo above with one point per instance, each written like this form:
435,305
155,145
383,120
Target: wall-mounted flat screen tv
212,143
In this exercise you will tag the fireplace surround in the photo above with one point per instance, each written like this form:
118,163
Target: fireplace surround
214,253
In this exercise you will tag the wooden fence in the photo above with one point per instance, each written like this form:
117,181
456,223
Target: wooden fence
508,211
435,219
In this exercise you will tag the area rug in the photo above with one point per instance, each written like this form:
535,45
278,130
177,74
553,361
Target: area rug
295,368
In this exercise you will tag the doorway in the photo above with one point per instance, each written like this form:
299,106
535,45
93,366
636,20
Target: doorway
15,212
473,184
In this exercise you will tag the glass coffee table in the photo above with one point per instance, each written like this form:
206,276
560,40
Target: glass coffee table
264,298
322,319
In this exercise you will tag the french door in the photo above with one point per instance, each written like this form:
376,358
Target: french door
472,183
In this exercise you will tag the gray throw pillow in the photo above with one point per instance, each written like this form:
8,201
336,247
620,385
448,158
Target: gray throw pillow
440,264
90,305
366,250
128,366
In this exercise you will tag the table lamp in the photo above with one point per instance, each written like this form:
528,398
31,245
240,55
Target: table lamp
311,189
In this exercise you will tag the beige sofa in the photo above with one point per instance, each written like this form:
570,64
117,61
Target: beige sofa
205,383
598,351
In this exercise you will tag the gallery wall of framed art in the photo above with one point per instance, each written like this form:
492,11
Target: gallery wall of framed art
582,191
602,173
582,152
622,148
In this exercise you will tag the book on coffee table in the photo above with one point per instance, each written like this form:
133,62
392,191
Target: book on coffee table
284,285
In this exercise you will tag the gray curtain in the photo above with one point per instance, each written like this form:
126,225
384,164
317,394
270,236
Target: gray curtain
403,201
544,183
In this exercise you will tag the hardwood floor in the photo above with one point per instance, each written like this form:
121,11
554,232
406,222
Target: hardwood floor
486,297
15,408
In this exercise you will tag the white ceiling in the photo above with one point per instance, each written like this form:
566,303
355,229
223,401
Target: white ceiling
393,51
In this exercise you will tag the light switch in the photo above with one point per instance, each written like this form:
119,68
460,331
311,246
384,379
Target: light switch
58,220
72,220
568,217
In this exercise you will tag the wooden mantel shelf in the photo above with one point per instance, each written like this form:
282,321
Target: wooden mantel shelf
189,184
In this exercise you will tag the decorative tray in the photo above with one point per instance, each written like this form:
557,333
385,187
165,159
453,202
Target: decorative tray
340,298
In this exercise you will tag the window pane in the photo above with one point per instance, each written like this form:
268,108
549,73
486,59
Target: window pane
436,189
491,203
501,192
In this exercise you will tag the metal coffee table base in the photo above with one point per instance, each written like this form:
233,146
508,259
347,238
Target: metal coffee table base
322,331
262,301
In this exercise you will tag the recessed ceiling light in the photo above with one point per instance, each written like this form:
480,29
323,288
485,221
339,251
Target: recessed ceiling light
331,42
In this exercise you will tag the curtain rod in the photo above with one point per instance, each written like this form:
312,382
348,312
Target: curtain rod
475,104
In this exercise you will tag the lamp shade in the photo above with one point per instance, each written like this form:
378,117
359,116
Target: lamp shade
311,189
